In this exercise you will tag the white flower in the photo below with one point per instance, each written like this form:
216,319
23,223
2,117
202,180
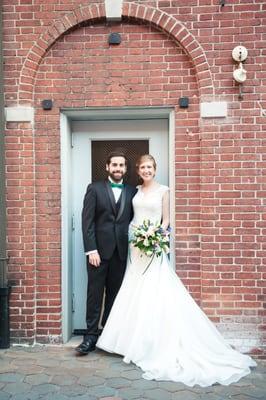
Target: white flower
146,242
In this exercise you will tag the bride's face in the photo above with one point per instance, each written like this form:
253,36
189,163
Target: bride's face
146,171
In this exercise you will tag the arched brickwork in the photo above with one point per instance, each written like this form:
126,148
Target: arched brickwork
96,12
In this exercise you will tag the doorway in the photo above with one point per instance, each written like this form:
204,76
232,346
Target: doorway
84,146
92,141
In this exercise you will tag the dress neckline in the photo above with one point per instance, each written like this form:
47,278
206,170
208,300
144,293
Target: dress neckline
151,191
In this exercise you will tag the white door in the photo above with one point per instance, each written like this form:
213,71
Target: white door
155,131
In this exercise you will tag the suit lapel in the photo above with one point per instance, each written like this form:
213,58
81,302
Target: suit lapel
111,196
122,204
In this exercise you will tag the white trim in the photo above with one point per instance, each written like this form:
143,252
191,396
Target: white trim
97,113
172,184
214,109
19,114
113,10
66,251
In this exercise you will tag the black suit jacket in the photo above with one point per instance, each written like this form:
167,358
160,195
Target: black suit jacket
103,225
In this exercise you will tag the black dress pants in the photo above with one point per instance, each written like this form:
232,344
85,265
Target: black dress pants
109,276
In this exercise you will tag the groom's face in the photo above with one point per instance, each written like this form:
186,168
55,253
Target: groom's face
116,168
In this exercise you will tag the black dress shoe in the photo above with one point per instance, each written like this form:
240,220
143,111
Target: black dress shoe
86,347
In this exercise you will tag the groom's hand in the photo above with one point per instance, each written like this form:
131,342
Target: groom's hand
94,259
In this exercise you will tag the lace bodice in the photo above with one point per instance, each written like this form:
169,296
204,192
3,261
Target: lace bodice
148,205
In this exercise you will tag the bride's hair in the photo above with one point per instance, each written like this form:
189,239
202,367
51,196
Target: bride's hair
144,158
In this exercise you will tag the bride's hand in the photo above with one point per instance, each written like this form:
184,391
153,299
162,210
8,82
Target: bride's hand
165,228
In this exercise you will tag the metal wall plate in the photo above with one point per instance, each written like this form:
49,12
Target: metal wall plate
239,53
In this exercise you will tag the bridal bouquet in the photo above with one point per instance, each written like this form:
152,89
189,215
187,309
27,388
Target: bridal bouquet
151,239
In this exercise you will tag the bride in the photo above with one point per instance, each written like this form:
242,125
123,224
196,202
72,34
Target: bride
154,321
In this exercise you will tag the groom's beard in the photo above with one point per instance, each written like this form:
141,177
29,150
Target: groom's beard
116,178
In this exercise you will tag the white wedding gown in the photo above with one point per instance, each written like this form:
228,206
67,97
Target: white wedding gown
156,324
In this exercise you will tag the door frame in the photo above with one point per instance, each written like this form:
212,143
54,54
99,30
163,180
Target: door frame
90,114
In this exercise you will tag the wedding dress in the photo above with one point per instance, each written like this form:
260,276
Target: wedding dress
156,324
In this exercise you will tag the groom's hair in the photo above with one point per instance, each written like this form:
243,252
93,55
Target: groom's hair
116,153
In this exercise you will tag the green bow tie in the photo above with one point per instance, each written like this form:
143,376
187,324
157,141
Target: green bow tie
117,185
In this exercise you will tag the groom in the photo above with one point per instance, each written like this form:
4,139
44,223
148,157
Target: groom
107,212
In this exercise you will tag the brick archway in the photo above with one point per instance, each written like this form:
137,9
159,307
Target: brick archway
163,21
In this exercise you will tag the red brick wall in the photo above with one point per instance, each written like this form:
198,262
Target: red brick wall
220,162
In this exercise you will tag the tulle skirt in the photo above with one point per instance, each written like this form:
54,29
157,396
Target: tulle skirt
157,325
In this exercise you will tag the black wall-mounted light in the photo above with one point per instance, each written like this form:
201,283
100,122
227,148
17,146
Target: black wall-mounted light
183,102
222,3
114,38
47,104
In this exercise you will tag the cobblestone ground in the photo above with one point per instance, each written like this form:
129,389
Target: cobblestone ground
55,372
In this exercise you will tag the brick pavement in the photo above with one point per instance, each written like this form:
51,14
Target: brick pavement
55,372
